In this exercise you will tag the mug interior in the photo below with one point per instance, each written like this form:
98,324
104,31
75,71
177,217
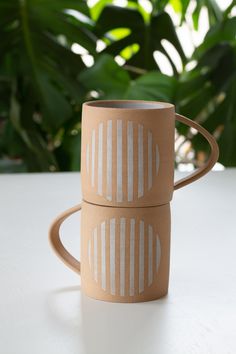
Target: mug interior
121,104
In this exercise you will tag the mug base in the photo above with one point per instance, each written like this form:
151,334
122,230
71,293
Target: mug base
128,299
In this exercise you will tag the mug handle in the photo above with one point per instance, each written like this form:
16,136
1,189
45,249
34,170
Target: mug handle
210,162
54,238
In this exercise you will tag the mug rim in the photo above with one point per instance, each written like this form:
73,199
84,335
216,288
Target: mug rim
128,105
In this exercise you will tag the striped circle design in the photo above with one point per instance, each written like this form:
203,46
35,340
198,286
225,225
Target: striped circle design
124,256
110,137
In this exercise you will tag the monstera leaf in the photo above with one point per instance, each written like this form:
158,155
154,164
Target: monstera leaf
147,35
114,82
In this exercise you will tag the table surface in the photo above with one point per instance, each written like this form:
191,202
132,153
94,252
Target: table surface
42,309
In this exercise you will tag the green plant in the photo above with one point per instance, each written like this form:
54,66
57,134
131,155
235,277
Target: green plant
43,82
41,96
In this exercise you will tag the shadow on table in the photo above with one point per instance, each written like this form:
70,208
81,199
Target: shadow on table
106,327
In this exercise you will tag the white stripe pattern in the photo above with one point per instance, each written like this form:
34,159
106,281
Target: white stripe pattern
107,236
99,160
100,156
112,256
132,259
140,160
130,160
119,149
109,160
103,254
141,256
149,160
122,256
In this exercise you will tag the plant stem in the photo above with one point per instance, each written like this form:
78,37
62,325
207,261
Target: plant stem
134,69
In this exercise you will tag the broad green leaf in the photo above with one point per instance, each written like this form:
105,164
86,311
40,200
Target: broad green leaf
113,17
152,86
25,138
106,76
147,35
115,83
56,109
61,24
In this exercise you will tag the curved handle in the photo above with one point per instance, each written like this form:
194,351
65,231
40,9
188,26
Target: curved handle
54,238
210,162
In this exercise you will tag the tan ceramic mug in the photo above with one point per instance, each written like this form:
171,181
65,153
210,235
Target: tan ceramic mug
127,183
124,251
128,152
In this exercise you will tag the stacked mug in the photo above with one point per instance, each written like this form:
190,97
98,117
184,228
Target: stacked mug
127,168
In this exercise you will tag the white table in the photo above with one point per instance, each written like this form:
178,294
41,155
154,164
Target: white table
42,310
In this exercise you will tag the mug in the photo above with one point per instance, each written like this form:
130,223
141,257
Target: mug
124,251
127,157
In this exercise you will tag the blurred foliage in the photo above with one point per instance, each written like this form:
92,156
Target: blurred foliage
43,82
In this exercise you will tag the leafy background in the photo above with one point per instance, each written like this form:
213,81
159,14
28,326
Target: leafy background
43,81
